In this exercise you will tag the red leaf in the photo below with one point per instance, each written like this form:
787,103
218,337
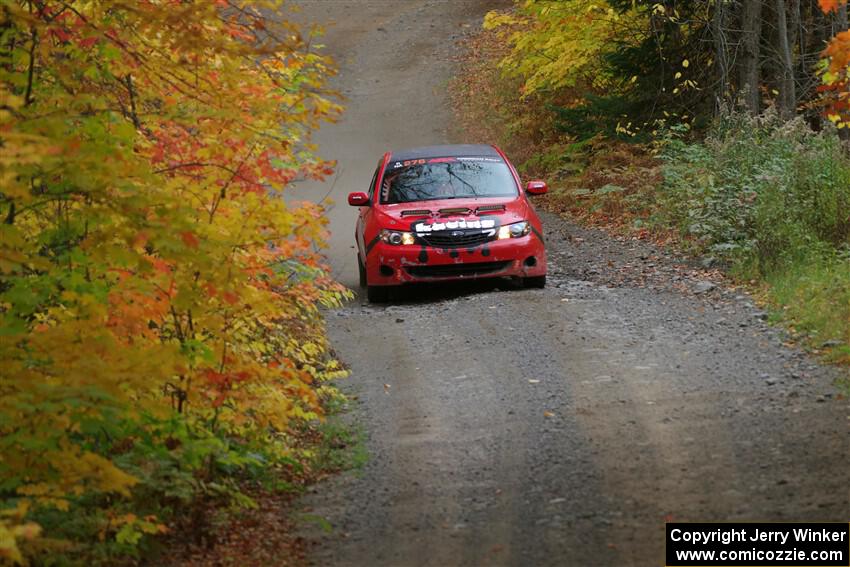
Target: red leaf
60,34
189,239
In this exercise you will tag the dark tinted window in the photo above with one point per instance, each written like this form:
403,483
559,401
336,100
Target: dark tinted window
446,178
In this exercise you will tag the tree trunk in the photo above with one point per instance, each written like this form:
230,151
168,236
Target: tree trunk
795,34
787,90
721,53
748,69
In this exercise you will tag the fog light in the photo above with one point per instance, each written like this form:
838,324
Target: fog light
387,271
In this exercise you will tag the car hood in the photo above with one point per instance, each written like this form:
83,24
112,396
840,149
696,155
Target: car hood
403,216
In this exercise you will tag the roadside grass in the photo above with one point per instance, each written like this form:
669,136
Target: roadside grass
338,444
814,300
342,448
768,201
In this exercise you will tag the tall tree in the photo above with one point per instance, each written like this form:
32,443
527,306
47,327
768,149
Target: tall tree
787,87
749,66
721,51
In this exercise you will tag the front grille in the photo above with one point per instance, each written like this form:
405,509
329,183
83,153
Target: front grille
450,270
461,238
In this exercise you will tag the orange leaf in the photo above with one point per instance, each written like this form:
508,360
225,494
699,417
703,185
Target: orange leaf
830,5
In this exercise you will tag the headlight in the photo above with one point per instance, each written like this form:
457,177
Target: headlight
514,230
397,238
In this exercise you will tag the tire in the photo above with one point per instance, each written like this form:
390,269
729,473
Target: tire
534,282
362,269
377,293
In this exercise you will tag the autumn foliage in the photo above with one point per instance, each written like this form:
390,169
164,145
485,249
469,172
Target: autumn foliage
159,295
561,44
836,77
623,68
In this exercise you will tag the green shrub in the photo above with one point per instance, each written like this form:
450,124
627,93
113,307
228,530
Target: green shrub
761,194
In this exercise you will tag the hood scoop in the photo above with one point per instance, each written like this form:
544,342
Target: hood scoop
490,209
462,211
416,213
456,211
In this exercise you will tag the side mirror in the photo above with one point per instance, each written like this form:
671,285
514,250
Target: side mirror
536,187
358,199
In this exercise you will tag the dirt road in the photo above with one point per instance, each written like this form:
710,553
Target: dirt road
548,427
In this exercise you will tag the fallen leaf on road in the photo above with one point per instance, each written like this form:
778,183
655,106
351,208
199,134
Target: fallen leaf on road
548,414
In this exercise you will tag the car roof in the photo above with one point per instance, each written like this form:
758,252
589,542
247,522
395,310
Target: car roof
447,150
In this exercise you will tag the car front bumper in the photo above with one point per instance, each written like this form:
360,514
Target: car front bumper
514,257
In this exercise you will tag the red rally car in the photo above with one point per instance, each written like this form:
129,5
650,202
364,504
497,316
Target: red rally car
446,213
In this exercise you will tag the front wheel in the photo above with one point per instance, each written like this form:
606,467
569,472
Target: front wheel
535,282
377,293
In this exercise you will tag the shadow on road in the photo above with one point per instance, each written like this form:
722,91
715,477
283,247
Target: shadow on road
425,293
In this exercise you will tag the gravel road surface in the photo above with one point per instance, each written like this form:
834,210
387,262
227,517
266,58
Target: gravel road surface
561,426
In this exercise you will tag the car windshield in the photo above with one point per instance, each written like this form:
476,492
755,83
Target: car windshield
446,178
